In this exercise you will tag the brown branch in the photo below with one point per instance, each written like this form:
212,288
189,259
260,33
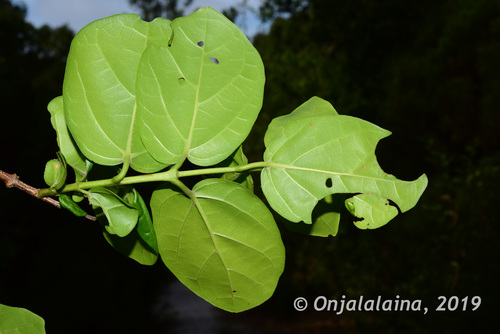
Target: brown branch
12,180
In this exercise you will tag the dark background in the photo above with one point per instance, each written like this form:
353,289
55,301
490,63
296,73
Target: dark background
426,70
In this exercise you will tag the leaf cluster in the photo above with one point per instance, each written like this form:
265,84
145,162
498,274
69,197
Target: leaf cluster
158,96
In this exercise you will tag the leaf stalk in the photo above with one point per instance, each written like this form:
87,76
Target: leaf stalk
171,175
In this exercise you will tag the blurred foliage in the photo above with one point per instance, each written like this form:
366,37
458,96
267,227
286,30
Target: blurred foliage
151,9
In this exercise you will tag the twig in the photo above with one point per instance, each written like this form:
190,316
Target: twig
12,180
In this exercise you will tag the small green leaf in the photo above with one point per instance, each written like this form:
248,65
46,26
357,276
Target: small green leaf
68,204
77,197
133,246
199,100
66,144
375,210
17,320
140,244
326,218
324,153
222,243
145,224
238,158
121,216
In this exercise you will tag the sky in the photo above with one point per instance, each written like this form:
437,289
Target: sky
78,13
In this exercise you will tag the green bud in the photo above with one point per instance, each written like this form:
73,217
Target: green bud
55,174
350,206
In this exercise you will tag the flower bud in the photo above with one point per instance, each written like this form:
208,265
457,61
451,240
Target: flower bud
55,174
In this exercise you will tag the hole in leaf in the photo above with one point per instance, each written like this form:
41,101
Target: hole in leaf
392,203
329,183
181,80
201,43
215,60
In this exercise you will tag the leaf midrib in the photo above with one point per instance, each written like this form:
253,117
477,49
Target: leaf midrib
286,166
187,147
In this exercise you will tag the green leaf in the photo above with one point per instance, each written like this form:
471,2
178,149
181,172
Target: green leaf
145,224
68,204
99,88
321,154
315,106
222,243
133,246
198,98
66,144
140,244
121,216
77,197
238,158
375,210
20,321
326,218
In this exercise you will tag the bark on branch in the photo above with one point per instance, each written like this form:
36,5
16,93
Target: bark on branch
13,181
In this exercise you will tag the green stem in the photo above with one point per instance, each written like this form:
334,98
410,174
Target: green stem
126,158
123,172
171,175
254,166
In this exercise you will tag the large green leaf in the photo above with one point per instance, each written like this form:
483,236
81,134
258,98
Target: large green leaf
314,153
222,243
326,216
20,321
199,97
99,90
315,106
